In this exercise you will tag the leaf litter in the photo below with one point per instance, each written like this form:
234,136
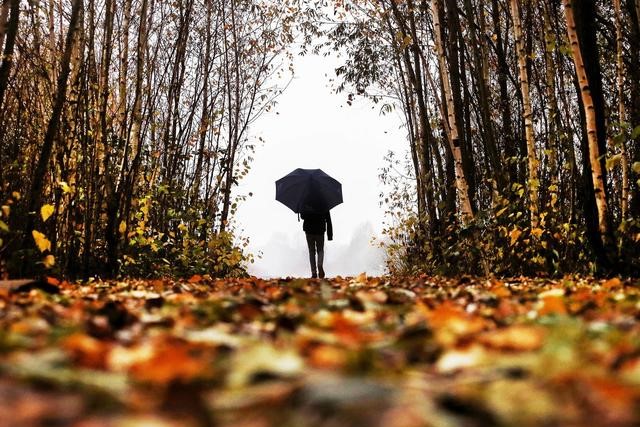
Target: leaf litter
363,351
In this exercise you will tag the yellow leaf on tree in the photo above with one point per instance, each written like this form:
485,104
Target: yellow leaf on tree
537,232
514,234
41,241
49,261
15,195
65,187
123,227
6,210
46,211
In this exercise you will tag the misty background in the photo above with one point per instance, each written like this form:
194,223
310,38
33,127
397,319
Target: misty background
313,127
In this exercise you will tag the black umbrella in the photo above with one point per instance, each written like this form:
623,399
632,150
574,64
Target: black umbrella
308,190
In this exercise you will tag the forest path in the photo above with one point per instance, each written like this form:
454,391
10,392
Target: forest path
359,351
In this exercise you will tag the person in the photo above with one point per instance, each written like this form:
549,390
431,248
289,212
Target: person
314,226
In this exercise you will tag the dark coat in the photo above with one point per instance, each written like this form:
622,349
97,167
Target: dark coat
315,223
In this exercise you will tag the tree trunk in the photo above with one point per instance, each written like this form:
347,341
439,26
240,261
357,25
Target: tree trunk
553,114
505,106
7,61
35,193
533,183
622,115
591,123
488,131
466,211
4,11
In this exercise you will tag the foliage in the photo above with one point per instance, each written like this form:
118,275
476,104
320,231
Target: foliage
410,352
183,251
158,105
451,68
499,241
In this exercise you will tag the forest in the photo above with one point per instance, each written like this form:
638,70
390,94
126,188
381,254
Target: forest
125,129
512,231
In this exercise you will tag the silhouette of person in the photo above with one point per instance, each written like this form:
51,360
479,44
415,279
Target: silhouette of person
314,225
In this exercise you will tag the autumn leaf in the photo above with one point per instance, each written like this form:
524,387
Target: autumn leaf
196,278
613,283
65,187
514,338
49,261
514,235
86,351
552,302
41,241
173,360
122,228
537,232
46,211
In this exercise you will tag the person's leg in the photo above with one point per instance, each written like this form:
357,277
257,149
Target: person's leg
320,247
312,254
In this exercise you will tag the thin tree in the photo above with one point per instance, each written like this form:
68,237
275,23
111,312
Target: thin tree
591,122
466,211
533,182
35,193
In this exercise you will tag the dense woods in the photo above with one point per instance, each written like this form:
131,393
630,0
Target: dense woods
125,125
523,121
124,128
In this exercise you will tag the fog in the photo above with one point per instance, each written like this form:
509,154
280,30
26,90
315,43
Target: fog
311,127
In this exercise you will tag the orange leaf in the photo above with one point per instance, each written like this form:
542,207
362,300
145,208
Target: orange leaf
614,283
86,351
196,278
53,281
552,305
328,357
172,361
514,338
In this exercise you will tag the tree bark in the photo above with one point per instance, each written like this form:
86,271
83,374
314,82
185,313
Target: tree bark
622,115
533,182
7,61
35,193
466,211
591,123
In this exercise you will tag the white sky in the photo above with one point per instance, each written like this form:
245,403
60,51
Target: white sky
315,128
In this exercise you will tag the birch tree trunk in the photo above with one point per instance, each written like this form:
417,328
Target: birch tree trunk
622,115
589,110
553,115
527,114
4,11
466,211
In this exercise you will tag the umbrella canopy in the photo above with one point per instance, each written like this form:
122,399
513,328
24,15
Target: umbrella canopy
308,190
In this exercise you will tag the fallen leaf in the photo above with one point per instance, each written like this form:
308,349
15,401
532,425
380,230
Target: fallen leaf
514,338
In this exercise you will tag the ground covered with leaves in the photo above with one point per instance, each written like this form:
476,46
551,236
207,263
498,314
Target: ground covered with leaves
343,352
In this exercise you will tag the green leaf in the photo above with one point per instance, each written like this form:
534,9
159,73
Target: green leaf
4,227
636,132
